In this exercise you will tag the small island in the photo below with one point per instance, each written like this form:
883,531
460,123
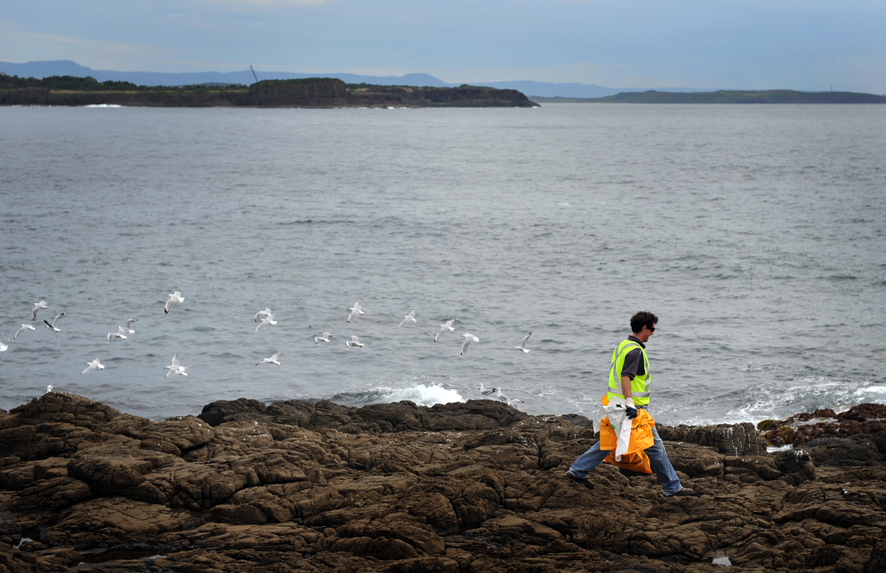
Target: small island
302,93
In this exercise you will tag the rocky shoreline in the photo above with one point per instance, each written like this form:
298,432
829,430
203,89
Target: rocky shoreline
476,486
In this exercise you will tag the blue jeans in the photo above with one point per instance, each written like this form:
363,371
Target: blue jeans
658,459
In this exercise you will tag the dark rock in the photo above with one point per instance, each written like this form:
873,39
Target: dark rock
303,486
801,428
797,464
241,409
860,450
728,439
577,420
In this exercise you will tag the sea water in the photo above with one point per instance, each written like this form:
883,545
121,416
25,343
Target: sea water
755,233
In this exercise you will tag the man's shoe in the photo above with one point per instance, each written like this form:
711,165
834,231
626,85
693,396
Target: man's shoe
581,480
685,492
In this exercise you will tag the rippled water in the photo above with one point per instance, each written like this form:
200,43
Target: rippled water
755,233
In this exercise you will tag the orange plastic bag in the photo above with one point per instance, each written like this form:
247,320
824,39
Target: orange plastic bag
641,433
641,438
638,462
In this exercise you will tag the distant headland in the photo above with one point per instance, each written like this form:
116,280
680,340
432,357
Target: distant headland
310,93
724,96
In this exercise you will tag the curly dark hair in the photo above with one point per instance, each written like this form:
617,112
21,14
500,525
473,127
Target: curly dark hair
641,319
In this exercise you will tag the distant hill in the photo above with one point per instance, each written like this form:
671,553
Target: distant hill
41,70
726,96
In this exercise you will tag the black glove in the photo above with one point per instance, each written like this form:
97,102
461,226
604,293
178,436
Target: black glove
631,412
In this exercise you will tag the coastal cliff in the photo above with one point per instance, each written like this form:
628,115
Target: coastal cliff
476,486
314,93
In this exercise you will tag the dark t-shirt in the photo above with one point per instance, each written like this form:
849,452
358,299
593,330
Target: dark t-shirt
633,365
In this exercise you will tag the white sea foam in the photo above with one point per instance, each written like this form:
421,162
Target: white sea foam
776,449
421,394
103,105
873,390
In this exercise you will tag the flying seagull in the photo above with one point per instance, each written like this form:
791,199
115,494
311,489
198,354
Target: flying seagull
444,328
410,316
469,338
324,338
265,312
355,311
175,367
523,344
22,329
269,319
175,363
93,365
271,360
128,327
121,333
38,306
3,347
173,298
354,341
54,326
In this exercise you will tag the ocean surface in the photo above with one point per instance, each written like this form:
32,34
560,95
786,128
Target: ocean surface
757,234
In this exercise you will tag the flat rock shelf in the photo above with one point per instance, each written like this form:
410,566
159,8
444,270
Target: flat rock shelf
475,486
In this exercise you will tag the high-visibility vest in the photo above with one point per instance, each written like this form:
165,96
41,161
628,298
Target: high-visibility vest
640,385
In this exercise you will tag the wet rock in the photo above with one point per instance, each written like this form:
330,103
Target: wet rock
796,464
242,409
728,439
860,450
803,427
302,486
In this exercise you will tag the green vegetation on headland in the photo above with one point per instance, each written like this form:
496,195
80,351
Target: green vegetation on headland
310,92
724,96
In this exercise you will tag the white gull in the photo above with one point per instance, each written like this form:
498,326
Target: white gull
22,329
121,333
271,360
54,325
95,364
173,298
175,367
469,338
355,311
444,328
523,344
488,391
410,316
269,319
323,338
38,306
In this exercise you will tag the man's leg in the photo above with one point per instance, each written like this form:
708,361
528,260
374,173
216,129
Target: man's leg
588,461
661,465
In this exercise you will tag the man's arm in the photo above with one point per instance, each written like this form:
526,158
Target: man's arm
629,398
626,388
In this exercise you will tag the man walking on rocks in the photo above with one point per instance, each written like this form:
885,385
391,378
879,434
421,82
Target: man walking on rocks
629,384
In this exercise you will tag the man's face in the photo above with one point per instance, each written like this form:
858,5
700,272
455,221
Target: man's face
644,334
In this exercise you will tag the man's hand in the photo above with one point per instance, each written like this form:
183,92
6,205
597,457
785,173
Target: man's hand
630,408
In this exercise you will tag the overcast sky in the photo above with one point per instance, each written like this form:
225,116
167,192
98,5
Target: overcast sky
748,44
